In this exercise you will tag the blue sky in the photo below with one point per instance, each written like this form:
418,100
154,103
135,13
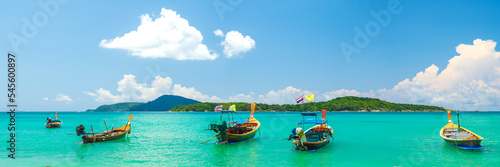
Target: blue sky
296,50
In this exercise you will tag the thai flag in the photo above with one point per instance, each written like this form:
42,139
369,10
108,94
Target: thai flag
300,99
218,108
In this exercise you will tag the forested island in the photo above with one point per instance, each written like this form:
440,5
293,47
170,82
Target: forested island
347,103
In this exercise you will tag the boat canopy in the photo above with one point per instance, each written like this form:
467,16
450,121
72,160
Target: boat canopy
238,121
308,114
313,121
227,112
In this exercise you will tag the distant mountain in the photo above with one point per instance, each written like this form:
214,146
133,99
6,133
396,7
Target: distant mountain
347,103
163,103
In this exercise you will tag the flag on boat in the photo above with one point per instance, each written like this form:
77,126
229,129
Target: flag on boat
218,108
300,99
232,108
323,114
310,97
252,109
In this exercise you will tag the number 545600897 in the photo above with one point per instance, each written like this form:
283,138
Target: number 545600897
11,86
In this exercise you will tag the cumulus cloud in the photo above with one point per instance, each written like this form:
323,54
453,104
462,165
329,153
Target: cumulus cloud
193,94
343,92
283,96
169,36
129,90
235,43
62,98
219,33
470,81
45,99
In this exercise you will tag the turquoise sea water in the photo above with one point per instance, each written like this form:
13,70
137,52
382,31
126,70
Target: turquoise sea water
173,139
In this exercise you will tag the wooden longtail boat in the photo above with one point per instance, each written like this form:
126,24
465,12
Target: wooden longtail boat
313,138
54,123
113,134
458,136
235,130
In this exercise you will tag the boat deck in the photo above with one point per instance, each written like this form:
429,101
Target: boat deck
237,129
315,136
452,133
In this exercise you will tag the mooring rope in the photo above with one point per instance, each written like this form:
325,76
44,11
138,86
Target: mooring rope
456,149
210,138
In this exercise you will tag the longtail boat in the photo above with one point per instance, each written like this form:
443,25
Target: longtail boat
56,123
234,130
113,134
313,138
460,137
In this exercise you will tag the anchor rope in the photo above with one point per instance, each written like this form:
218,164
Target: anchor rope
456,149
209,139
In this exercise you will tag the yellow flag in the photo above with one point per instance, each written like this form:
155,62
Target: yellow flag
232,108
310,97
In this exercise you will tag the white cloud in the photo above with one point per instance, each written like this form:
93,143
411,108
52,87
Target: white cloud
106,97
235,43
62,98
219,33
284,96
470,81
343,92
193,94
46,99
169,36
129,90
90,93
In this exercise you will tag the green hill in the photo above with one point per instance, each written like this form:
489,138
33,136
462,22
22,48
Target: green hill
347,103
163,103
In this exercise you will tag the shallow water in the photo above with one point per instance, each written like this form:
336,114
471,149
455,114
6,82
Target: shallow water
163,138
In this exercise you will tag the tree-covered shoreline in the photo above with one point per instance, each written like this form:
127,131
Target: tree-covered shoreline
347,103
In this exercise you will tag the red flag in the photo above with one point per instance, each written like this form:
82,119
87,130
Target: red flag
323,114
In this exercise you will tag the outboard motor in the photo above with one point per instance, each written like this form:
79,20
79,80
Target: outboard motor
80,130
293,135
219,127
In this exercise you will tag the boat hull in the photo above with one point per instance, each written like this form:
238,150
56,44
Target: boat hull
467,143
53,125
464,143
314,145
115,134
92,139
233,138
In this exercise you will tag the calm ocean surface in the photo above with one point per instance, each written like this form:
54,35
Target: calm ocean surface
173,139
